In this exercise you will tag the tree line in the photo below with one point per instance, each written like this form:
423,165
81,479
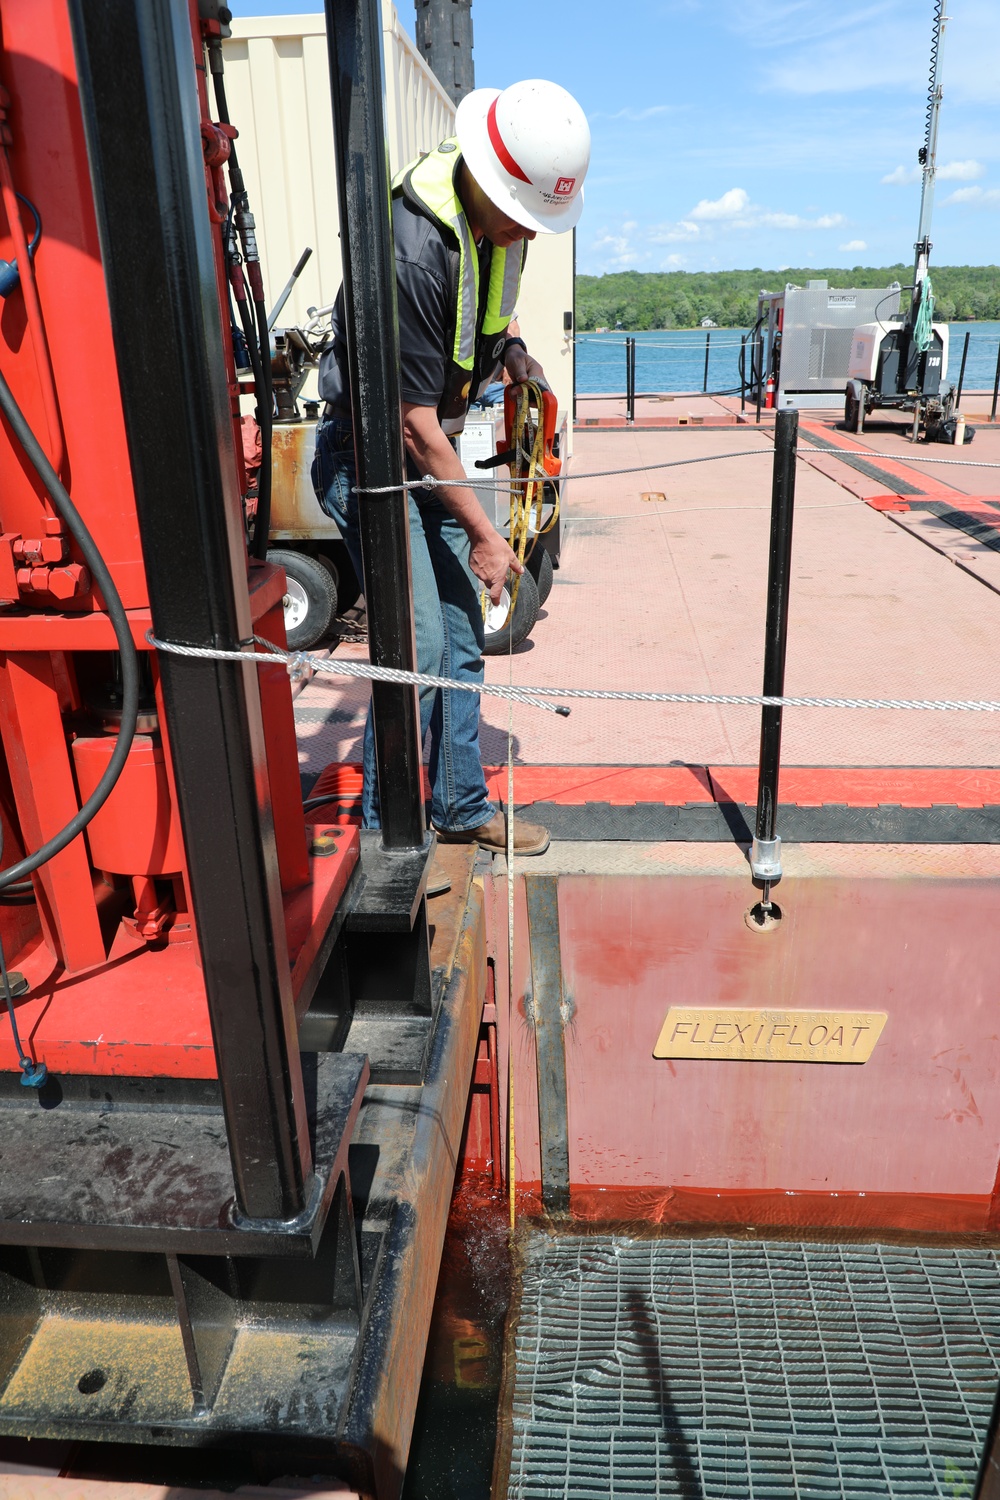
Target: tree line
681,299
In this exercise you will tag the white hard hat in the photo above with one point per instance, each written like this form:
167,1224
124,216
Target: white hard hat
528,148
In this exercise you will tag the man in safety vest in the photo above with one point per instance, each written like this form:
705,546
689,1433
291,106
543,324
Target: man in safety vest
462,215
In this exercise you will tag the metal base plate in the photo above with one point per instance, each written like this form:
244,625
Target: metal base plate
143,1164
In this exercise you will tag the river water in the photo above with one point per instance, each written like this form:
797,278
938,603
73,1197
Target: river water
674,359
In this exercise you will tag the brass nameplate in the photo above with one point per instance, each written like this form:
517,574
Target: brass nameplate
825,1036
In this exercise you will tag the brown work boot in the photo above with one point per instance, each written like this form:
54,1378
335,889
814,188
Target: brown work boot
529,838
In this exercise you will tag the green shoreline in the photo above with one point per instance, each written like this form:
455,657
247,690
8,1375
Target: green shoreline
641,300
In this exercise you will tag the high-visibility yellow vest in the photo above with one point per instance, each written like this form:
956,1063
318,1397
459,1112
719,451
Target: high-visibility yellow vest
474,344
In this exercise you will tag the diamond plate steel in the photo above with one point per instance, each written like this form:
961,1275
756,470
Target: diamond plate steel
711,1368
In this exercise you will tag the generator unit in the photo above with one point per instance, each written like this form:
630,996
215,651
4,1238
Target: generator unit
901,361
806,336
888,369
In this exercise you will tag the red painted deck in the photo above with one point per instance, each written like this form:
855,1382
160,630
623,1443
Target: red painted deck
669,596
889,599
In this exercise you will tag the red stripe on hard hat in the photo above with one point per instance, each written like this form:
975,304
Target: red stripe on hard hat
501,150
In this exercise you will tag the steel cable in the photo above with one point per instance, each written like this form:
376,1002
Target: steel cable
300,662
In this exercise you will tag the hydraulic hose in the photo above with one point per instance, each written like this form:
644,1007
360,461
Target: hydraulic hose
262,519
101,576
262,371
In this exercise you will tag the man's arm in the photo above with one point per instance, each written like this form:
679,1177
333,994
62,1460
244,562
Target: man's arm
490,557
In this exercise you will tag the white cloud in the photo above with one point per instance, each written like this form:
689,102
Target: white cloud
981,197
951,171
673,261
814,47
855,245
961,171
729,206
734,210
635,116
618,252
903,176
669,234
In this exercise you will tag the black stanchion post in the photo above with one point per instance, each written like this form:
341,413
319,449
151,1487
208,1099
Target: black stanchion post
996,388
743,374
760,373
630,371
961,373
708,343
765,855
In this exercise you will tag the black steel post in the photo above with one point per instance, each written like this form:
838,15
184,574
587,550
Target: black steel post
574,327
708,342
961,372
354,38
743,374
766,854
134,63
760,373
630,379
996,388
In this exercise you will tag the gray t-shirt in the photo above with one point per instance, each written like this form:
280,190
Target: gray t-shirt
423,280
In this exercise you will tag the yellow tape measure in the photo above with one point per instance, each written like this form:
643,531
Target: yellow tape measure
527,489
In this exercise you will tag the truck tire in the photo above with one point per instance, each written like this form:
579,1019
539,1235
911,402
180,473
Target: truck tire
310,597
499,642
853,411
539,565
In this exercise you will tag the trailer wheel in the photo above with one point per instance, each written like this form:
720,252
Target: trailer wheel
310,597
503,638
539,565
853,411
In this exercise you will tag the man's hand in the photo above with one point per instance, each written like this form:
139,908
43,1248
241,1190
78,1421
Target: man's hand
521,366
490,557
491,560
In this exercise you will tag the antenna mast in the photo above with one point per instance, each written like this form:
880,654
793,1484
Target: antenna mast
927,156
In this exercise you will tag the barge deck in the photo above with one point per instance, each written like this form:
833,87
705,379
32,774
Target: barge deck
662,1197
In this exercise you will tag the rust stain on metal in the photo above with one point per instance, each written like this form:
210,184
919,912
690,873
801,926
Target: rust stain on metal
295,511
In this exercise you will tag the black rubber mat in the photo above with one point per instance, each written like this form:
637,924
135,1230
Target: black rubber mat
724,822
861,465
772,1371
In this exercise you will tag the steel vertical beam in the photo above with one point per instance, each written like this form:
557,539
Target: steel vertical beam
140,113
765,857
354,39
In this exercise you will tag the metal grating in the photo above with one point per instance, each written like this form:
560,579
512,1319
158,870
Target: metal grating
727,1368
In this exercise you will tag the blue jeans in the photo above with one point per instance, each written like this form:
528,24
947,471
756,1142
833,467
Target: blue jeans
448,620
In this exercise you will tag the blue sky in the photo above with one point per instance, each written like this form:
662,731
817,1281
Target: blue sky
771,133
